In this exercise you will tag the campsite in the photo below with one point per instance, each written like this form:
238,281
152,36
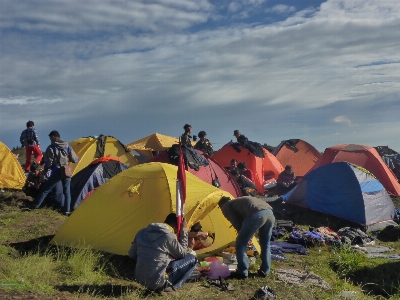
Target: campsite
43,256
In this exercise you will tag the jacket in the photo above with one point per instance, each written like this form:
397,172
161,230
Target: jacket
29,137
186,140
239,209
153,249
285,178
58,154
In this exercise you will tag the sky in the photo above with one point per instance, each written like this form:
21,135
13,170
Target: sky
327,72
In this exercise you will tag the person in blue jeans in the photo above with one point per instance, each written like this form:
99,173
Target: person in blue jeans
248,215
162,261
58,154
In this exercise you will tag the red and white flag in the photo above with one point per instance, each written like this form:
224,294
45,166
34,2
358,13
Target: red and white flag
180,191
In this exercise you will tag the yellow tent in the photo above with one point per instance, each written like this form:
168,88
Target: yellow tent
91,148
154,142
11,174
109,219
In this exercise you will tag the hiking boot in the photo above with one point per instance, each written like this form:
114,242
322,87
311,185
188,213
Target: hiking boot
261,274
238,276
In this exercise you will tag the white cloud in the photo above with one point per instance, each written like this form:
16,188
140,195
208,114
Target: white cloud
141,58
282,9
24,100
342,119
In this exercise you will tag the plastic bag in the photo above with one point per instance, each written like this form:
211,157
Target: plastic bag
218,269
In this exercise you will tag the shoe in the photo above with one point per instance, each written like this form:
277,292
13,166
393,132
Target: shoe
67,213
238,276
261,274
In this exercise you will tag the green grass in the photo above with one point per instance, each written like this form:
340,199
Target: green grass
29,266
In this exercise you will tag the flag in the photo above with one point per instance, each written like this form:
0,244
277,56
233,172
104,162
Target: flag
180,191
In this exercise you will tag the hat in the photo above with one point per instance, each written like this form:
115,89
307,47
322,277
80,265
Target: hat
235,132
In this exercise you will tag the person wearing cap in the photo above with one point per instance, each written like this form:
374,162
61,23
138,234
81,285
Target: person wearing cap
204,144
186,136
58,154
286,180
241,138
242,166
249,215
30,140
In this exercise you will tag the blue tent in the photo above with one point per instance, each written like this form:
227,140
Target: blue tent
346,191
92,176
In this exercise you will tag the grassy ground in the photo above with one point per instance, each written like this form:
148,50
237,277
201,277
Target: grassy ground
31,268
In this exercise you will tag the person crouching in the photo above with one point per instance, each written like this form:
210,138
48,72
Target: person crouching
162,262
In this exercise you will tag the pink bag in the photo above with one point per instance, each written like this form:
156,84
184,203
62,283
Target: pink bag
218,269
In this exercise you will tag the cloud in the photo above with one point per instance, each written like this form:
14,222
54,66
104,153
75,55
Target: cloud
23,100
342,119
81,17
282,9
176,61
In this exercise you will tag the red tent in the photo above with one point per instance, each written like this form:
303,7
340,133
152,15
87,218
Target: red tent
207,174
363,156
299,154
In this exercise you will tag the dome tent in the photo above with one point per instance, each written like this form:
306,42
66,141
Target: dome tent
346,191
208,173
297,153
11,174
93,147
265,169
92,176
363,156
109,219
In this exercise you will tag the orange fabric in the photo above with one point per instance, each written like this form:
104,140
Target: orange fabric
272,167
363,156
224,156
105,159
301,161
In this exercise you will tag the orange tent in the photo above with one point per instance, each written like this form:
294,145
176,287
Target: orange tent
272,167
264,169
299,154
363,156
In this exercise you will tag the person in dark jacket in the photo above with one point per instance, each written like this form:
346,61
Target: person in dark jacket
249,215
286,180
161,260
58,154
242,166
204,144
247,187
241,138
33,181
30,140
186,137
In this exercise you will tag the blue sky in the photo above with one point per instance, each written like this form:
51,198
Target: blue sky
327,72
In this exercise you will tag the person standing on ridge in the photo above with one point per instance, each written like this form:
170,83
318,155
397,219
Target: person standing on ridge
30,140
